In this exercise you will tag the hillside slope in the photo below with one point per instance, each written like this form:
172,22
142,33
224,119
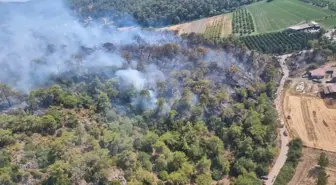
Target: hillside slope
96,105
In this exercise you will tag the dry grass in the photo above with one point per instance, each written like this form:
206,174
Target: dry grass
306,172
311,120
199,26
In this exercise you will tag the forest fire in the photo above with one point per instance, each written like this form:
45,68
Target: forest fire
97,105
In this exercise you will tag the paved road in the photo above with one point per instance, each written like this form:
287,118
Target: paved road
284,140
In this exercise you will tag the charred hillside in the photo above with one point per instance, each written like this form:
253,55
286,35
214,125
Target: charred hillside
96,105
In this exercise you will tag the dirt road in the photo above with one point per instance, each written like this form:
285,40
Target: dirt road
284,139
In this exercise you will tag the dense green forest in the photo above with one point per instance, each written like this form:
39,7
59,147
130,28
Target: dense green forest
204,120
154,12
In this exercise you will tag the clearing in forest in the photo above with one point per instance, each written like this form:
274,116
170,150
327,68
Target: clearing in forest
218,26
280,14
310,119
306,172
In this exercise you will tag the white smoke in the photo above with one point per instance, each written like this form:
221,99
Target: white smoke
131,77
42,37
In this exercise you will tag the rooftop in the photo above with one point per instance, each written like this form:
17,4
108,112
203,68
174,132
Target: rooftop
319,71
331,69
329,89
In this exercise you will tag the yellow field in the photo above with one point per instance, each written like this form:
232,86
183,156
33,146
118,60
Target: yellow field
311,120
200,26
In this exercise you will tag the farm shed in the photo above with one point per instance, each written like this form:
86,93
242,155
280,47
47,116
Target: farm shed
318,73
330,91
332,72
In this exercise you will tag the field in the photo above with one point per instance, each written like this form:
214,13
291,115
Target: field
267,17
280,14
278,42
242,22
330,22
208,25
311,120
306,171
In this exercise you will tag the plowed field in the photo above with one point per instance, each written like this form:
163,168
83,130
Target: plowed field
311,120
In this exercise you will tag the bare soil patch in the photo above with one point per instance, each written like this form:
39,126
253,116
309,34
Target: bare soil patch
307,170
310,119
199,26
227,26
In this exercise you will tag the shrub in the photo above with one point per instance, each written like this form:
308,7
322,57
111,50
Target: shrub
70,101
6,137
163,175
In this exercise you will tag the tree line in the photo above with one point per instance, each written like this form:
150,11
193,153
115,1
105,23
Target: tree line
154,12
322,3
293,157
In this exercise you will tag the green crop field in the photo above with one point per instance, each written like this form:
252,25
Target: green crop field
280,14
330,22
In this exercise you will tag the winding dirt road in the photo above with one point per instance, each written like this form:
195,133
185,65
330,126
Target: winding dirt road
284,139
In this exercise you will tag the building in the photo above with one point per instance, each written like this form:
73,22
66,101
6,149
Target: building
332,72
318,73
323,71
304,27
330,91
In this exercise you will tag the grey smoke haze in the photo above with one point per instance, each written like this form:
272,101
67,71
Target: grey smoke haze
40,38
13,1
131,77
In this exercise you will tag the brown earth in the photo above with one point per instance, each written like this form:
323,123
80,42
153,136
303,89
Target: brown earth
307,170
227,26
199,26
310,119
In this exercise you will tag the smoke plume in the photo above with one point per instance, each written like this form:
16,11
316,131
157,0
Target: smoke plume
41,38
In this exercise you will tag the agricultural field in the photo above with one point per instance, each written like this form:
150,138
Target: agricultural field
330,22
278,42
218,26
214,28
280,14
330,4
310,119
306,172
242,22
197,26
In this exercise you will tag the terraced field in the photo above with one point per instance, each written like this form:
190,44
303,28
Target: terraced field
280,14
